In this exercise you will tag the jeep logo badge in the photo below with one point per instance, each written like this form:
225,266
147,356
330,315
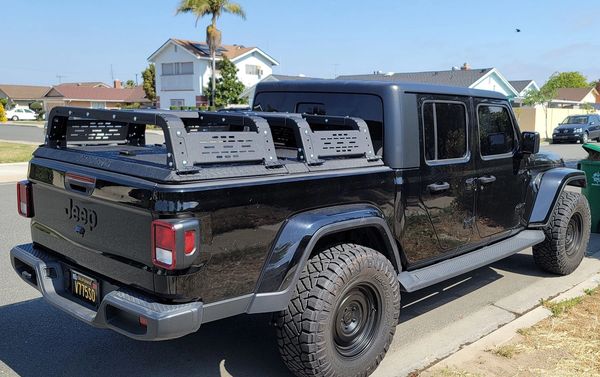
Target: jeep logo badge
84,217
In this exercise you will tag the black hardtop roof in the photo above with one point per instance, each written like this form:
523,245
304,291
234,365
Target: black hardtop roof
373,87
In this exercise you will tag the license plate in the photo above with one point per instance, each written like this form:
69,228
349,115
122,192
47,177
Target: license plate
84,287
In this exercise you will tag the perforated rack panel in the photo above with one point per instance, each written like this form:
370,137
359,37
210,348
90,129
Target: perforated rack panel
96,131
195,140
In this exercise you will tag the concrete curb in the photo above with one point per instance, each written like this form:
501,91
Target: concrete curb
11,123
507,332
14,171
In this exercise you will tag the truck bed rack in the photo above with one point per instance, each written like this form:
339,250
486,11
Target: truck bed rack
207,145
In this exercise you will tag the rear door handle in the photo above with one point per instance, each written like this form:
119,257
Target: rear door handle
486,179
438,186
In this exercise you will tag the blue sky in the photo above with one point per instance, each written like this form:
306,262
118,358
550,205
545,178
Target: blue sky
80,39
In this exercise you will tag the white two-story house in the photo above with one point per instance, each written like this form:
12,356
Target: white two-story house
183,70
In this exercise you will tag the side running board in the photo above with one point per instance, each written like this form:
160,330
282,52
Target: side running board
426,276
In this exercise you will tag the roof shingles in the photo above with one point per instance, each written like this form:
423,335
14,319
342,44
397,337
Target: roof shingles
24,92
86,93
201,49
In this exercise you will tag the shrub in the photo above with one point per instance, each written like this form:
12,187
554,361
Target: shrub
2,113
37,107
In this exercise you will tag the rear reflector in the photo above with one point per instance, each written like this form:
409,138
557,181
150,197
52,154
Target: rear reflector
190,242
143,321
24,199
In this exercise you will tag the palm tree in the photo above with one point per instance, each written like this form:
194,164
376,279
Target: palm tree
213,8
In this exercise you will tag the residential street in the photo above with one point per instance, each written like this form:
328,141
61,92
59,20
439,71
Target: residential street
41,340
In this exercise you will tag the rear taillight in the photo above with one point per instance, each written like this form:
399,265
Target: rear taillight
24,199
174,243
164,252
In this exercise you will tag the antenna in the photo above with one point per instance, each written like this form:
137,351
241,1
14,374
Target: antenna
112,73
136,79
60,77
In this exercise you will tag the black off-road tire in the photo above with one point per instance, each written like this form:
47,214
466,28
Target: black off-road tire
310,340
567,235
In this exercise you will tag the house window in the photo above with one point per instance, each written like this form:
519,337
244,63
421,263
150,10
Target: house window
98,105
496,134
177,102
172,69
254,70
444,130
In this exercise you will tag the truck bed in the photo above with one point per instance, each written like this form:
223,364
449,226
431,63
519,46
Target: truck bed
206,146
241,203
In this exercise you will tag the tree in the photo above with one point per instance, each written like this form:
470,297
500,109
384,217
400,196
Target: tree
130,84
228,87
2,113
541,97
149,85
565,80
212,8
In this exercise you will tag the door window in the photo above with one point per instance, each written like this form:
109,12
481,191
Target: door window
496,133
445,131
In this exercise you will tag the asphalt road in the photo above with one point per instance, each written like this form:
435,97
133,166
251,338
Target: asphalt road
40,340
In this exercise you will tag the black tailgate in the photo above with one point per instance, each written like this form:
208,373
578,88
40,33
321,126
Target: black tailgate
110,218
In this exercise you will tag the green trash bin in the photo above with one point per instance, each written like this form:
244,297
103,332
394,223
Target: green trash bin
591,167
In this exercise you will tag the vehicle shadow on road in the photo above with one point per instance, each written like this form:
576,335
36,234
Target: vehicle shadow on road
47,342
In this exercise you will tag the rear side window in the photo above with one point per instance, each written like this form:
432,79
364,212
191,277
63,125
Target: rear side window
444,130
496,134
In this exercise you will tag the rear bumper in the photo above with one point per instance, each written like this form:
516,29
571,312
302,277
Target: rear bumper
119,310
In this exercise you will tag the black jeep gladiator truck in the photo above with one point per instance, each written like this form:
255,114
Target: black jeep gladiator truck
321,205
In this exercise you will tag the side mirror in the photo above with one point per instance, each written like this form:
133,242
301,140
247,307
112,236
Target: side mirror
531,142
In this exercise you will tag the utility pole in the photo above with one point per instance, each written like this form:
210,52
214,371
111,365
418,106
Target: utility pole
112,74
335,70
136,79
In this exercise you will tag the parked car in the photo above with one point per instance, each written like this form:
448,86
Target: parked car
321,220
574,128
21,113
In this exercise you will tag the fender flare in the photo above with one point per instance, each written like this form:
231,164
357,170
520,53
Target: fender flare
295,242
545,190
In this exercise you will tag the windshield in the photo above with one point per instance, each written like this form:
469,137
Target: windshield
577,119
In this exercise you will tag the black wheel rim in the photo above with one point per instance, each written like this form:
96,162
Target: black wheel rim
357,319
574,236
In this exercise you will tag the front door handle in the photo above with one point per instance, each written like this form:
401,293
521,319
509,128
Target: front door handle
438,186
486,179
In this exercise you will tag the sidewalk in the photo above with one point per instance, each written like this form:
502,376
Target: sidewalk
408,354
476,358
13,172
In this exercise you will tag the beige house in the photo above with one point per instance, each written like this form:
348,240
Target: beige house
575,97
